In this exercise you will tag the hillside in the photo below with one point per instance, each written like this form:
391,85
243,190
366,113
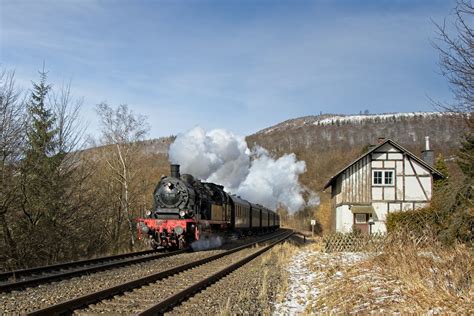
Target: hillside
328,142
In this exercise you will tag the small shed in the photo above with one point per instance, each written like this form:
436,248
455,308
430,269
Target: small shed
388,178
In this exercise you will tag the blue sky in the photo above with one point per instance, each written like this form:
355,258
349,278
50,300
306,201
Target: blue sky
239,65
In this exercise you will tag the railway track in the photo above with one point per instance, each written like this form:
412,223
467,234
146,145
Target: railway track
157,293
18,279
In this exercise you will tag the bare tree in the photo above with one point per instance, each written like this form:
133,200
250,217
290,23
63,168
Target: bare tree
457,55
66,110
121,130
12,119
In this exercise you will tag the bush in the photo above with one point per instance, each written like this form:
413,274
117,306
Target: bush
450,217
417,220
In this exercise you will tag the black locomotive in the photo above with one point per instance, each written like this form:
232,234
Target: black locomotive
186,209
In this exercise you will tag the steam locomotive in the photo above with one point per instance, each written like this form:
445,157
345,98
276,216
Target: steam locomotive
186,209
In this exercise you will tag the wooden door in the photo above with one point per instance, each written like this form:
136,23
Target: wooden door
361,222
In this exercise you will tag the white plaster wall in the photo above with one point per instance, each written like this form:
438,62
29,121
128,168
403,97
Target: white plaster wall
420,170
395,156
407,206
413,190
381,210
389,164
344,219
426,183
379,227
380,216
395,207
408,169
377,193
400,185
399,168
377,164
389,193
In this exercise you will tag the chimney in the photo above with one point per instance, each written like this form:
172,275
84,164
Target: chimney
175,171
380,140
427,155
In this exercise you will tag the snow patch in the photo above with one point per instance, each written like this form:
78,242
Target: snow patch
382,117
304,269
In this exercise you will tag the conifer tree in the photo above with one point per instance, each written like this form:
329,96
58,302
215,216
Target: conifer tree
440,165
466,154
44,183
40,164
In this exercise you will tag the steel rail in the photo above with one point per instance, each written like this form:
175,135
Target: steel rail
68,306
87,269
175,299
25,272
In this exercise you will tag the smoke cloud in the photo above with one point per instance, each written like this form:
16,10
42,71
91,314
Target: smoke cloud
207,243
221,157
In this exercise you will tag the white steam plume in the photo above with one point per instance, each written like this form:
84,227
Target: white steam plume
221,157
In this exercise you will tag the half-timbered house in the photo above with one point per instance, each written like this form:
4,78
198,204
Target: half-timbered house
388,178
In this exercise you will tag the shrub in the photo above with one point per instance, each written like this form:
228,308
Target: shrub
450,217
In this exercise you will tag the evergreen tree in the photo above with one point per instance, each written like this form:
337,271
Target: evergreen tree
40,163
466,153
440,165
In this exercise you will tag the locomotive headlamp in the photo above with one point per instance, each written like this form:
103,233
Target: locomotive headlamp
148,213
144,228
182,213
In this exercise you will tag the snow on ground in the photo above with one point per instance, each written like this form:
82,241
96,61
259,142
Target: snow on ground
304,270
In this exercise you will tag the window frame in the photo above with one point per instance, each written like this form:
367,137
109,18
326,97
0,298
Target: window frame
366,221
384,177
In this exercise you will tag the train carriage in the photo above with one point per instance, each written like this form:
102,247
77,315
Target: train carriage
264,218
241,213
256,216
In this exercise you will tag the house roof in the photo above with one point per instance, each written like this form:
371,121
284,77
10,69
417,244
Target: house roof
433,171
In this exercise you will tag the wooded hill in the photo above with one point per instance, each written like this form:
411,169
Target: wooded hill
328,142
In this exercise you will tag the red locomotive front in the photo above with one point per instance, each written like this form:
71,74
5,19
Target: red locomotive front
183,209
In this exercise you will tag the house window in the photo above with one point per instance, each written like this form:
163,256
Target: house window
382,177
377,177
360,218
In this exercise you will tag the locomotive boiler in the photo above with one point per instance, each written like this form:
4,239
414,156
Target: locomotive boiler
186,209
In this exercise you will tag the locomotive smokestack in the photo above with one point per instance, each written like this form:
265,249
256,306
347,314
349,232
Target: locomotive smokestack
175,171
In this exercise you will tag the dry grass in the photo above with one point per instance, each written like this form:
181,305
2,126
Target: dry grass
411,275
434,275
284,253
267,282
